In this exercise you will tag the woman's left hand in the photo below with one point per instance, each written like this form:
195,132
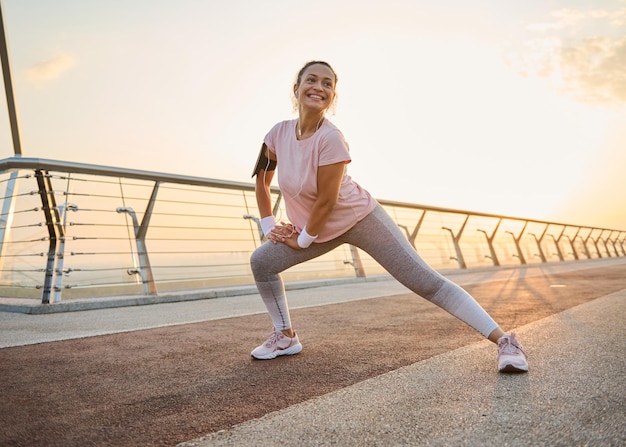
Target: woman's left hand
285,233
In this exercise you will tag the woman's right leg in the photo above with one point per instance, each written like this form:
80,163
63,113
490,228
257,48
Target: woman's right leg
267,262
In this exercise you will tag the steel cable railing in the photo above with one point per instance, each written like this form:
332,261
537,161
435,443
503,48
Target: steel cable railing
77,230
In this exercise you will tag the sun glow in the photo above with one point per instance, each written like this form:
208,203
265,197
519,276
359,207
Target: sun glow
518,111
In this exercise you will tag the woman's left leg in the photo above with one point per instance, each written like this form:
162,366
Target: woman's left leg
381,238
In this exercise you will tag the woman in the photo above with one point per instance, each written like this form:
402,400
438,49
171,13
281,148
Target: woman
326,208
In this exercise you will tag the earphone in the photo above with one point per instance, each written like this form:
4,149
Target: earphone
265,172
267,165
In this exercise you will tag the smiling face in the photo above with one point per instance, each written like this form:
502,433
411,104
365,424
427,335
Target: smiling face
315,88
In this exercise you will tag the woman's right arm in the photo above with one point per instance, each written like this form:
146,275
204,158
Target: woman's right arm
264,193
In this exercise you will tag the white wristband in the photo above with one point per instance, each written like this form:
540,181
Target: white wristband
305,239
267,224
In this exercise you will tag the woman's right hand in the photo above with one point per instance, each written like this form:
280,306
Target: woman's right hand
283,232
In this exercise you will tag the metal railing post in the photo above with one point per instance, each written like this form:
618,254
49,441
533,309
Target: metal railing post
586,247
516,240
571,243
54,234
538,241
492,251
559,253
145,270
608,239
356,263
413,235
455,240
621,243
595,242
63,209
258,220
140,231
614,243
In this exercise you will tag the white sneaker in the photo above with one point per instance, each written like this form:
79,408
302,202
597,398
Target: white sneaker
511,355
277,344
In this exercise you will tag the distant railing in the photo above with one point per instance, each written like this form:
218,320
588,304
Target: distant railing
82,231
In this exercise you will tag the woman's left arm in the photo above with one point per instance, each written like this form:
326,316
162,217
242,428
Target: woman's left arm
328,183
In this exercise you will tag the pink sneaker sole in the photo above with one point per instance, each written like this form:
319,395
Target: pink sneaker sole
291,350
514,369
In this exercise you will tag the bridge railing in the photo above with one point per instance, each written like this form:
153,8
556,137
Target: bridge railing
74,230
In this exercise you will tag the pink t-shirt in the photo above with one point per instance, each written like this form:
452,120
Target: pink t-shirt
298,161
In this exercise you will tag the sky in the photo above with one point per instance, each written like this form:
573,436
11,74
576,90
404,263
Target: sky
503,107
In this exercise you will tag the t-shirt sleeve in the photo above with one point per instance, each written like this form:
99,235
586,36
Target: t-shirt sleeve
270,138
334,149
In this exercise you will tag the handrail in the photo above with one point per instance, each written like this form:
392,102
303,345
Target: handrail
481,214
12,163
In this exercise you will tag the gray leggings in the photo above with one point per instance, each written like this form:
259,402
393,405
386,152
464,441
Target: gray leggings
380,237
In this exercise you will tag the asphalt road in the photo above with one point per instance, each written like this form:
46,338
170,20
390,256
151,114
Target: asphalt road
380,366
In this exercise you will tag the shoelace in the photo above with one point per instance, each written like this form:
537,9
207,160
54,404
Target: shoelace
509,347
273,338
